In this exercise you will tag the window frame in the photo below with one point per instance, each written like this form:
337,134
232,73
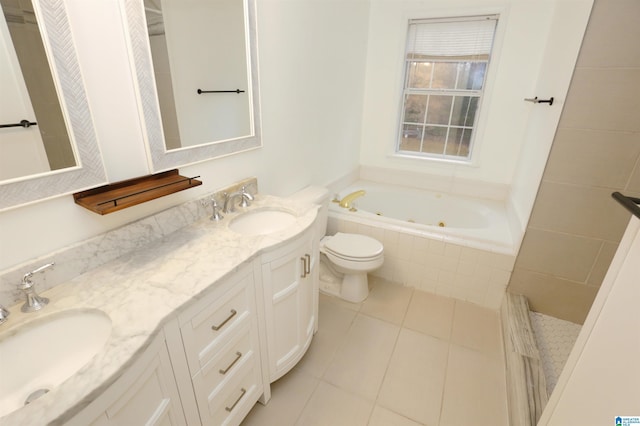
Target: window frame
481,94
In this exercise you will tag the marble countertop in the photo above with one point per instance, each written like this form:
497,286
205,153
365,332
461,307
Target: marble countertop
140,292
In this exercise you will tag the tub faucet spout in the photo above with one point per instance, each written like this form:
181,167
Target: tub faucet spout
347,200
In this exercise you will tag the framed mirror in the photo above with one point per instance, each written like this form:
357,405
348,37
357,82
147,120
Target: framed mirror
54,151
195,70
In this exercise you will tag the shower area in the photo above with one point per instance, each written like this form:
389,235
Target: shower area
575,225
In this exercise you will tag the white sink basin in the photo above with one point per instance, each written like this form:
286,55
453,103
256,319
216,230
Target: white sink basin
39,356
261,222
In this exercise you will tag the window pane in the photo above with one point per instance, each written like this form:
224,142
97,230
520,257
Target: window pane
444,75
415,107
434,139
459,142
419,75
464,111
471,75
439,109
411,136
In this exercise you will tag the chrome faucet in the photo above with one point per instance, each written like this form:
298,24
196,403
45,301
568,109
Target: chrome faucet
4,314
215,215
33,302
245,200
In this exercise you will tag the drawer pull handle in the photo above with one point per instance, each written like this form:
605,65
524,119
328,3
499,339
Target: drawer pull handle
307,264
238,356
219,326
242,392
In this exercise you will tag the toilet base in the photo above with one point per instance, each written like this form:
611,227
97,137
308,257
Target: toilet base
355,287
350,287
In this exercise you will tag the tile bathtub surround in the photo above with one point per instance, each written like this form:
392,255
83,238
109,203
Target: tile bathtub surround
89,254
437,266
422,359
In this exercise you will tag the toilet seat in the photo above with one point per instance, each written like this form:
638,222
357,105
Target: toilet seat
353,247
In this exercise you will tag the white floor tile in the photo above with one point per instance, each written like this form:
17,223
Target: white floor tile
340,302
331,406
359,365
414,382
430,314
289,395
387,301
383,417
443,367
334,322
475,390
476,328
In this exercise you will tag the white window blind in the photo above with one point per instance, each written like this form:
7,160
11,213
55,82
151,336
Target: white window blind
469,37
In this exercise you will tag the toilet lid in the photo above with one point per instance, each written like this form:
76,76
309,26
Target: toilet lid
354,246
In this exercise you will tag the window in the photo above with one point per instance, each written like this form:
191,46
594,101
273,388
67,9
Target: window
446,64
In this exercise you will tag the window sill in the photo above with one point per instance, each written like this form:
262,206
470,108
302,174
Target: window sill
435,160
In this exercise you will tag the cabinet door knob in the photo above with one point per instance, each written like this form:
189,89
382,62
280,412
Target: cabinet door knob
219,326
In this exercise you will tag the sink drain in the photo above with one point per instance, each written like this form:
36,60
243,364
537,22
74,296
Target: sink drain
35,395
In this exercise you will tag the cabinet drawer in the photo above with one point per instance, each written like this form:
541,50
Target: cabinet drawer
212,328
230,400
231,358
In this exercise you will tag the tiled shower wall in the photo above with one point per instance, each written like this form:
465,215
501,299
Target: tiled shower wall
575,225
436,266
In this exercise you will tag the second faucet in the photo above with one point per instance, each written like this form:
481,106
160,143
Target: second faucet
245,199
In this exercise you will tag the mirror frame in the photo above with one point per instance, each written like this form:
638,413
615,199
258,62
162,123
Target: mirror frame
159,157
54,26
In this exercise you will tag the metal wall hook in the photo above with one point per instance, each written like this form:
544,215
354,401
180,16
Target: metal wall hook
200,91
540,101
22,123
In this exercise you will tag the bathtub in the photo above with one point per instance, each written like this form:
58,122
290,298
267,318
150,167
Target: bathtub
451,245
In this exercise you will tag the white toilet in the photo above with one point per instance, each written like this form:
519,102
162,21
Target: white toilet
345,258
354,256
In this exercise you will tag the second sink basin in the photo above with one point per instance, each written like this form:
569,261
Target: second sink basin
261,222
40,355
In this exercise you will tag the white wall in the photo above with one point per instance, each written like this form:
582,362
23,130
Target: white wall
519,54
562,48
311,59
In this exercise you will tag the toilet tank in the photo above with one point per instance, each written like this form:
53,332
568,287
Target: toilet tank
316,195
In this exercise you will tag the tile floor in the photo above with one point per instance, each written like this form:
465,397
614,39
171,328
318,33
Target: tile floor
402,357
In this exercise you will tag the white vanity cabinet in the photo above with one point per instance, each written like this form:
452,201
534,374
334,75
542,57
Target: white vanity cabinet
145,395
221,347
215,357
202,368
290,299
